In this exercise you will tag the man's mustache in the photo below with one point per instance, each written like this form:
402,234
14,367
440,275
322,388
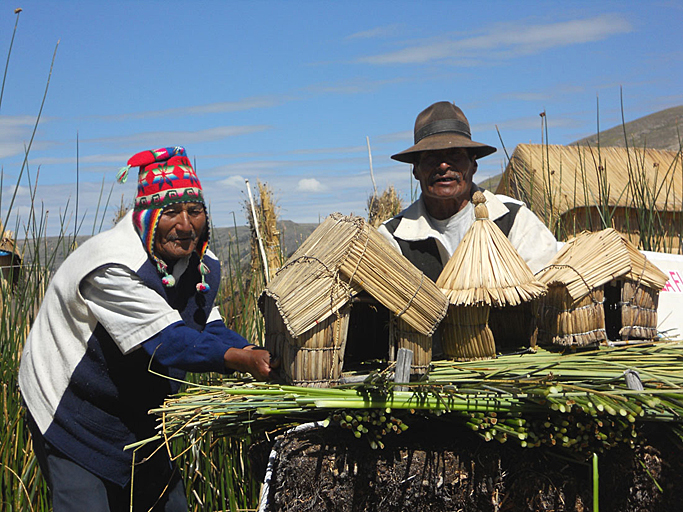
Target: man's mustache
192,236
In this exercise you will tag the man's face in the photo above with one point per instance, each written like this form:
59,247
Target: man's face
179,229
445,174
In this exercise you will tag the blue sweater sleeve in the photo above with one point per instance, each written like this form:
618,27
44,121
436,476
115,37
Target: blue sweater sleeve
180,346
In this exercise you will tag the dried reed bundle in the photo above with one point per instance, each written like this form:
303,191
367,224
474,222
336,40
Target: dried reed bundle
268,212
593,259
486,269
384,207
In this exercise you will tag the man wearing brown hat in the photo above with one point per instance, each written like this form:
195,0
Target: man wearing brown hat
444,159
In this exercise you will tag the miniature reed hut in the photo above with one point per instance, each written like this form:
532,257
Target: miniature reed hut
600,287
10,260
307,304
485,271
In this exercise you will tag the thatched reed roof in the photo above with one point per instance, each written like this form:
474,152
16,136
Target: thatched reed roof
593,259
486,269
574,175
7,243
341,258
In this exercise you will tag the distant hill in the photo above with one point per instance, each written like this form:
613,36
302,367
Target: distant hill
238,239
225,242
656,131
490,184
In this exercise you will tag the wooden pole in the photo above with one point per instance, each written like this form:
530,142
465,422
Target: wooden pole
266,274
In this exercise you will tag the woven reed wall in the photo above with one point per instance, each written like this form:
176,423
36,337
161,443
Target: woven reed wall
465,334
575,175
316,357
572,323
638,311
669,226
404,336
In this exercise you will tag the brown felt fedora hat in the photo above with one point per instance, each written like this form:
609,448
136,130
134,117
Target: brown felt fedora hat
442,126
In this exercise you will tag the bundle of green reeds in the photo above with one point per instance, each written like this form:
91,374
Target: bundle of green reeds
484,271
527,398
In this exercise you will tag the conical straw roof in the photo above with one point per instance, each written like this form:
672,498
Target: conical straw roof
486,269
593,259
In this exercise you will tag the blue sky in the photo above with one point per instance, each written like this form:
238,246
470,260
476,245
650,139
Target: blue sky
287,92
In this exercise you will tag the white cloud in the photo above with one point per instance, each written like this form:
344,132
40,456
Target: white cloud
188,137
509,40
15,134
310,185
210,108
83,159
233,182
386,31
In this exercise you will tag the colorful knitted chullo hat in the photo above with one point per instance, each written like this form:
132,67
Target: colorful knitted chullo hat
166,177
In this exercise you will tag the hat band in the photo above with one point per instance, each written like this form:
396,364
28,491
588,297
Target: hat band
442,126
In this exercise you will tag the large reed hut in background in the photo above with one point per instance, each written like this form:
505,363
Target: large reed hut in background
637,191
600,287
308,304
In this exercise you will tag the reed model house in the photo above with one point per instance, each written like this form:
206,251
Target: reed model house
484,277
600,287
309,303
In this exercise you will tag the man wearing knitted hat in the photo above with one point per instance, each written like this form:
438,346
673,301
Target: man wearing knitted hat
125,316
444,159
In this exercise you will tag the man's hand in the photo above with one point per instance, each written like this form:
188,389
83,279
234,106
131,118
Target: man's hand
252,359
